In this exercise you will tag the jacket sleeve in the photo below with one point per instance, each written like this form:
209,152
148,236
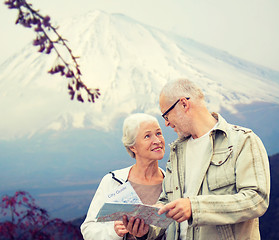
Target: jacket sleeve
166,185
252,187
92,230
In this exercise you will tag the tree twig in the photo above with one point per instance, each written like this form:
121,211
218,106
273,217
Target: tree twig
31,18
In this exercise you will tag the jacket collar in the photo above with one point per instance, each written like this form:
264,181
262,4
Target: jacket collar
222,124
122,174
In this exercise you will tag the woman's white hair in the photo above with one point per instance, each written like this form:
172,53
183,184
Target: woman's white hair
131,127
182,88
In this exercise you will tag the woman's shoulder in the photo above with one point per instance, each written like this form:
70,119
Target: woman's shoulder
118,175
122,171
163,171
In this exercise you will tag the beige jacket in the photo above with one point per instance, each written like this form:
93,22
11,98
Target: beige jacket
232,190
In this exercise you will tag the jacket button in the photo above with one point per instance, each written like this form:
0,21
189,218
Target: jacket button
176,188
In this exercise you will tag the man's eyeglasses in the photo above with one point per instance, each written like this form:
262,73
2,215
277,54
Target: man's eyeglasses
171,107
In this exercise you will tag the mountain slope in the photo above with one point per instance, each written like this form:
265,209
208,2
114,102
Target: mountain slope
129,62
71,145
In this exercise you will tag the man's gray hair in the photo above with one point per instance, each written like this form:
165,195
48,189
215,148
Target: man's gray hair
176,89
131,127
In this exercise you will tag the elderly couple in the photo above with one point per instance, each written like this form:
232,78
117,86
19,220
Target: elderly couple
216,184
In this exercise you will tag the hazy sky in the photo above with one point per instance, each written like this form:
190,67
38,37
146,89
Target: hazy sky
244,28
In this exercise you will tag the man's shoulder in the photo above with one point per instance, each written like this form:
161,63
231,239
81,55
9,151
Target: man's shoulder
239,133
224,126
237,128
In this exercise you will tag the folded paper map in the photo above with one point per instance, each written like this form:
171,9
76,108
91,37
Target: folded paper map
124,193
115,212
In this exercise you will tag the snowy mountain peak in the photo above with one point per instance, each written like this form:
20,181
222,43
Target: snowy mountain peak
129,62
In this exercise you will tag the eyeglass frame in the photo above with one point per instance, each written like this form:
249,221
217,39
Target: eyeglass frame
170,108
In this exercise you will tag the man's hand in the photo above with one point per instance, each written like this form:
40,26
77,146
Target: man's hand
136,227
120,229
179,209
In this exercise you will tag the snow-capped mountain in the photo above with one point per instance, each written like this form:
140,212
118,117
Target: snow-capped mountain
129,62
71,147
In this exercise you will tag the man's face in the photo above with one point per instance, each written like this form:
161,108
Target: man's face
175,118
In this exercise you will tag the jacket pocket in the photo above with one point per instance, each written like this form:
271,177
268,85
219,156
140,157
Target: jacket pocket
221,172
168,184
168,181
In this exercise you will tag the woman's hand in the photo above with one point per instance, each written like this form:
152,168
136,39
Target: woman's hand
120,229
135,226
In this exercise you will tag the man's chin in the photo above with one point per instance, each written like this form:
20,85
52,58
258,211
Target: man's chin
182,135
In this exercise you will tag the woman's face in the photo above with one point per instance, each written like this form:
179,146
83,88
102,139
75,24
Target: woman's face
150,143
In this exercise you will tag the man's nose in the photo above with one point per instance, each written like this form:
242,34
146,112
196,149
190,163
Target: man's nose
167,123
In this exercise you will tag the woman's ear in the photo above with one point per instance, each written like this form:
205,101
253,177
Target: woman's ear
133,149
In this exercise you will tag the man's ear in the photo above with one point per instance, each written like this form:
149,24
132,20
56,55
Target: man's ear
185,103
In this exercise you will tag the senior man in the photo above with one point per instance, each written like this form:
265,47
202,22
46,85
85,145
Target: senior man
217,181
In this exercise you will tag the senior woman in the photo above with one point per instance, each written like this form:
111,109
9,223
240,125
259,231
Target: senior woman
144,141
